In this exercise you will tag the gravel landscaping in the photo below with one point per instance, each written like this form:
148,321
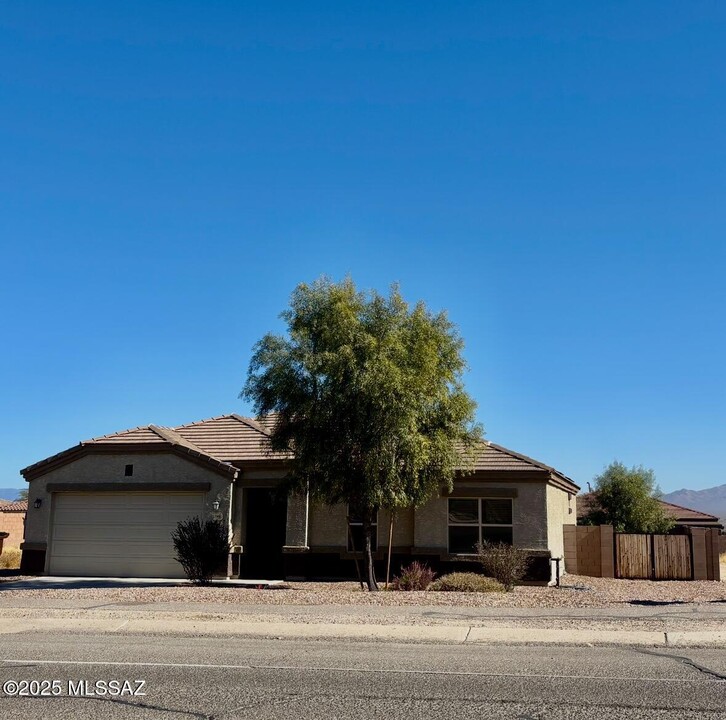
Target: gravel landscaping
576,592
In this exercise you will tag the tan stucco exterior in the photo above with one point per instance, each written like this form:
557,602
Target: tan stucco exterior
540,506
328,528
561,511
95,469
539,511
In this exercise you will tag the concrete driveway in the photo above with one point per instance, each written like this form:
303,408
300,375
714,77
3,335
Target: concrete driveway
54,582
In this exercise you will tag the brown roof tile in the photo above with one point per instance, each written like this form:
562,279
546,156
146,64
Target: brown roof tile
230,437
233,439
13,506
144,434
676,512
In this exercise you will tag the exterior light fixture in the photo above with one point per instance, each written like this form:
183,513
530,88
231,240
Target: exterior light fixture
38,502
215,505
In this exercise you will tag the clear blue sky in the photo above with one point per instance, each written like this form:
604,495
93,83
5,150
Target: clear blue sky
553,174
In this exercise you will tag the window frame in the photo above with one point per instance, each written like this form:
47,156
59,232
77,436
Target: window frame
357,523
479,524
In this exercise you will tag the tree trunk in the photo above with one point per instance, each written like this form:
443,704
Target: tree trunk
370,572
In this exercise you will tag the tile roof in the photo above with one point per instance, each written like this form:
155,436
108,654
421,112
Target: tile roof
13,505
233,439
677,512
230,437
136,435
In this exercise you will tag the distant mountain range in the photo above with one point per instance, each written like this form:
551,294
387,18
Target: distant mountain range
10,493
711,500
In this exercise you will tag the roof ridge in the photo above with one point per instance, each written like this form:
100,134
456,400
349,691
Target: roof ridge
528,459
251,422
176,440
201,422
172,436
116,434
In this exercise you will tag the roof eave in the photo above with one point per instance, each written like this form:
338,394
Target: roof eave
63,458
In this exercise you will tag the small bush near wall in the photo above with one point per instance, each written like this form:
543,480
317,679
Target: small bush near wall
466,582
503,562
10,558
201,548
416,576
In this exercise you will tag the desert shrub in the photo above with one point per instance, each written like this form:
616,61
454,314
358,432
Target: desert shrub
466,582
201,547
503,562
416,576
10,558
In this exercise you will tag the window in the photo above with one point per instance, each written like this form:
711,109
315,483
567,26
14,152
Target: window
474,520
129,471
356,541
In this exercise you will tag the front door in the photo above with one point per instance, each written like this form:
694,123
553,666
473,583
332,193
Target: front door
266,520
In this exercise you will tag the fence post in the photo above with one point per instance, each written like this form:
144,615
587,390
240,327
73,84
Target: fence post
698,553
607,551
570,548
715,559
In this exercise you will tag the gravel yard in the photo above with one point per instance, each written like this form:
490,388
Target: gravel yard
576,592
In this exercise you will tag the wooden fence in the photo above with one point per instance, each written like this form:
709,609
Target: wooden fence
599,552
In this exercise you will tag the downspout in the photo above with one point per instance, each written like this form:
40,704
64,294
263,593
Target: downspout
230,527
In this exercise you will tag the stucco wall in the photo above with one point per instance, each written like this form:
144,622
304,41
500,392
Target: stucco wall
427,528
327,527
559,504
529,516
12,522
163,467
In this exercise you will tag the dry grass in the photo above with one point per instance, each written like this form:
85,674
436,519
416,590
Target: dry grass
10,558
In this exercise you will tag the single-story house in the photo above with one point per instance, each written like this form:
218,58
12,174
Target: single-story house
12,521
107,506
683,517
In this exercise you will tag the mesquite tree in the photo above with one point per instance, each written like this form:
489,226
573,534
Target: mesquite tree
370,400
627,499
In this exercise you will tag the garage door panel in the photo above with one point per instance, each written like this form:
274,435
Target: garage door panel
114,533
131,567
81,549
118,533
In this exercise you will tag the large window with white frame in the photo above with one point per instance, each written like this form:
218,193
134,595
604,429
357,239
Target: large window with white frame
475,520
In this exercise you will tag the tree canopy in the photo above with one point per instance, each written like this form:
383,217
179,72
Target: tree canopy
369,396
627,499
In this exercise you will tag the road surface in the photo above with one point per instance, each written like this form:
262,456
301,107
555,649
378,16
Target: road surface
204,677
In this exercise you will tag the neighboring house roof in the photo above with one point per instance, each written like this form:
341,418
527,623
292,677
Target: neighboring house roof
10,506
680,515
684,514
232,439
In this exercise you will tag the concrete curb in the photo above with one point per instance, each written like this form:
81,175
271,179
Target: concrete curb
449,634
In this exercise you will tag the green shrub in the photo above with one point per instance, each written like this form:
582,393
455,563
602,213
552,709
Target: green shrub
503,562
10,558
201,548
416,576
466,582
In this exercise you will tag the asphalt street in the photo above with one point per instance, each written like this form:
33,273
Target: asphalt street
203,677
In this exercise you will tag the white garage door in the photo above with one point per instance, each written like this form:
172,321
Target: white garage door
118,534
